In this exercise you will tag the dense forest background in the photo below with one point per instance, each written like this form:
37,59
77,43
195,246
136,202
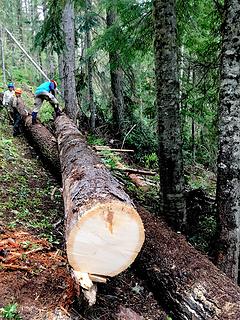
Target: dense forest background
38,26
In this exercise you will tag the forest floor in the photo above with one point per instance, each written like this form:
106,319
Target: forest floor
35,276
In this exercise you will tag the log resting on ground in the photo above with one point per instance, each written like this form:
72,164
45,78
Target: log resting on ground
41,137
184,279
104,232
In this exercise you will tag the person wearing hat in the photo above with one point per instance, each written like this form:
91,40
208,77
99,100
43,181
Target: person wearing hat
46,91
17,119
7,96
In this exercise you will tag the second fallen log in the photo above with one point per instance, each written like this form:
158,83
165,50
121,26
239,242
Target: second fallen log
41,138
104,232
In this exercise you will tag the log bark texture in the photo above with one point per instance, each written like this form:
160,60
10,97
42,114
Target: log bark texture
41,137
228,182
104,233
183,279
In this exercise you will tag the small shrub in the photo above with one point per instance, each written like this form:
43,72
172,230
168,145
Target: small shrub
93,140
10,312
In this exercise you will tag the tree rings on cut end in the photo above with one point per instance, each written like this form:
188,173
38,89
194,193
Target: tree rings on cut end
106,239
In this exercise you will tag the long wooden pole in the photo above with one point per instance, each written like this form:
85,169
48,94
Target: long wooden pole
29,57
3,56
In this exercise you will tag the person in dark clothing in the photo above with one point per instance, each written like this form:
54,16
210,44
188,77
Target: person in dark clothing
17,119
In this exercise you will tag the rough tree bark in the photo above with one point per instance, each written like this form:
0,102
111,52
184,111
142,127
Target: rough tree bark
184,280
116,75
42,138
97,210
69,82
167,100
20,20
228,181
92,106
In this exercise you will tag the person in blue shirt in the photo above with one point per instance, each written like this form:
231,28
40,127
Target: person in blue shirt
46,91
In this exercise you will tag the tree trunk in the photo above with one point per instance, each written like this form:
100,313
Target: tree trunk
42,139
184,280
60,71
169,128
69,62
116,82
92,106
228,181
97,211
20,20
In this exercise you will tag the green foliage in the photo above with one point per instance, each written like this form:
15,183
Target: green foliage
197,177
110,159
8,150
199,38
151,160
142,138
46,113
10,312
205,235
50,36
94,140
132,32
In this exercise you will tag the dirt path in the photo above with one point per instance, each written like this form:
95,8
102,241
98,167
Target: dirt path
35,281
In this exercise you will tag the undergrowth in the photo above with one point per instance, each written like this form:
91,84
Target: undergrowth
30,198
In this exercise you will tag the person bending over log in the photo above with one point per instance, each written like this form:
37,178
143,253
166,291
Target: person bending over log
46,91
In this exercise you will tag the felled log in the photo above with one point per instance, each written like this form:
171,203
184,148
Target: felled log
104,232
41,137
184,279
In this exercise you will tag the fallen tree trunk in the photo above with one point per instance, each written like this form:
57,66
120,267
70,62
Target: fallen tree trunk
42,139
184,279
98,212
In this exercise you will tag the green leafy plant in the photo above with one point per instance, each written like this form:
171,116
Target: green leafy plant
94,140
151,160
10,312
46,113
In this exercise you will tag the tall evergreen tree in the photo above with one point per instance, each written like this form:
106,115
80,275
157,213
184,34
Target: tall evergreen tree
69,61
116,75
228,181
92,106
167,101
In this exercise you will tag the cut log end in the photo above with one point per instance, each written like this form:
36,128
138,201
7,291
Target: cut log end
106,239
